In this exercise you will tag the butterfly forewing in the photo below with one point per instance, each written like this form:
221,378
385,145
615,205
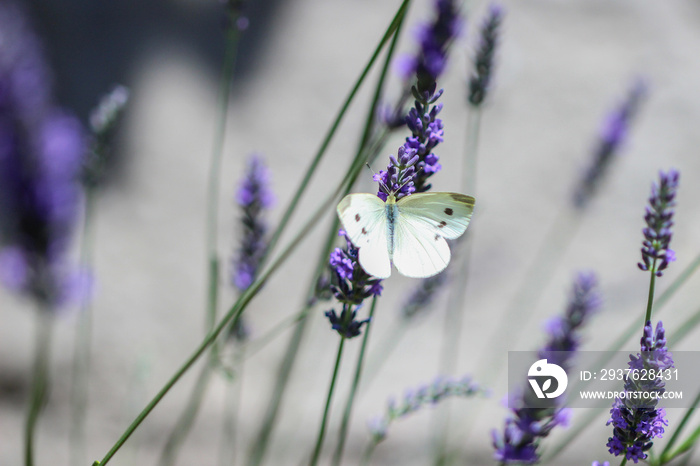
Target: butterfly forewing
447,213
364,218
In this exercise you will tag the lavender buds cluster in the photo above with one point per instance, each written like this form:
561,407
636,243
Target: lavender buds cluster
480,80
350,285
528,425
415,162
414,400
41,151
637,420
656,254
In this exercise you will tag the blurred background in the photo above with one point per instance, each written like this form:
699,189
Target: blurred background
562,66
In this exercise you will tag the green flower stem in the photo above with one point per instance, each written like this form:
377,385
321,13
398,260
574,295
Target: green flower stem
379,357
40,380
632,330
233,395
452,328
687,445
391,30
83,338
650,300
345,424
623,462
214,182
324,420
186,420
367,455
666,455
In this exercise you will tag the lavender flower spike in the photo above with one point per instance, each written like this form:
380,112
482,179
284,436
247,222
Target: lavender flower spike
414,400
41,151
523,431
350,285
637,420
435,39
253,197
480,80
656,253
612,136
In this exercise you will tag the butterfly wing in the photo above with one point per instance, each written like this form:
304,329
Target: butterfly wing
448,213
424,221
364,218
418,251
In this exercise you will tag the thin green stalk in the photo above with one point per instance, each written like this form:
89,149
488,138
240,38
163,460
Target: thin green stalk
40,381
184,424
650,300
214,182
326,411
381,355
391,30
186,420
687,445
454,315
367,455
665,454
344,426
233,395
623,462
83,338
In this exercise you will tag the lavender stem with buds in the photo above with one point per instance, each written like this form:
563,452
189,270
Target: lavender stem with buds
480,80
523,432
656,253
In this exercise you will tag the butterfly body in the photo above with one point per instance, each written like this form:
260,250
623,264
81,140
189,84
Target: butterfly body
409,233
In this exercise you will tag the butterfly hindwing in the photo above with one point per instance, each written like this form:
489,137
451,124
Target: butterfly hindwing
447,213
364,218
418,250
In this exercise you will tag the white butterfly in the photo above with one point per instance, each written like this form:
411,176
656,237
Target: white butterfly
410,232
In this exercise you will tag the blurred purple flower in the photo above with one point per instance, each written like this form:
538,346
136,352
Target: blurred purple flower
480,80
41,153
656,254
612,136
253,197
528,425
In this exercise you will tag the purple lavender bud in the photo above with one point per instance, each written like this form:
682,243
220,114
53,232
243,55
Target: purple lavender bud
637,420
597,463
254,198
527,426
41,152
612,136
480,81
656,254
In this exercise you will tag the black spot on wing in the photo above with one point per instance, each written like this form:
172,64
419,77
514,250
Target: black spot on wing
448,211
442,224
357,217
364,231
437,237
